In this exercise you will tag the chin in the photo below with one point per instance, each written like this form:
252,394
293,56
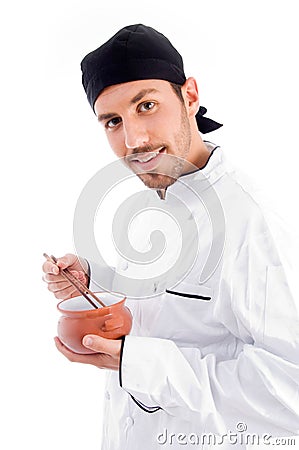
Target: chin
156,181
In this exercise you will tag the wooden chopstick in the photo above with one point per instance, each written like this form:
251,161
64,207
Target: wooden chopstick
76,283
66,272
71,279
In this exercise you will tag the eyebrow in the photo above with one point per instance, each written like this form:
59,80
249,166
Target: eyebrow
102,117
135,99
141,94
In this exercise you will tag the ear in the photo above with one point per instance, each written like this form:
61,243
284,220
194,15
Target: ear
190,94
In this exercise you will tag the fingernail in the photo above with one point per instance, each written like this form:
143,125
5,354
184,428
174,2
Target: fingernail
54,270
87,341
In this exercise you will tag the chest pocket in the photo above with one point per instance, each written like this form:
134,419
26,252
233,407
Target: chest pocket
185,315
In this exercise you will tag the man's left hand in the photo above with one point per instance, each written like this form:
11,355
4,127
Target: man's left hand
107,356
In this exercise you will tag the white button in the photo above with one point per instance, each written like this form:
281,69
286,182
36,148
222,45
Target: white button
107,395
129,421
124,265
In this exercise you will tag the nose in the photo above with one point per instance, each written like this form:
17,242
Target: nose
136,134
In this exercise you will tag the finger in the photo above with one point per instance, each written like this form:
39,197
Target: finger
49,267
78,274
71,356
100,360
58,286
82,276
66,260
102,345
67,293
75,357
48,277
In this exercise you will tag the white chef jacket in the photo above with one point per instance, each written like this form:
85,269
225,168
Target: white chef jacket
208,357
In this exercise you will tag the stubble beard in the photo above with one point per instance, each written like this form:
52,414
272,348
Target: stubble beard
162,179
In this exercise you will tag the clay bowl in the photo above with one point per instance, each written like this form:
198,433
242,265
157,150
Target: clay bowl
78,318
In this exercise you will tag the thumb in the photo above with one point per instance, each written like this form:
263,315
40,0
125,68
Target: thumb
66,260
102,345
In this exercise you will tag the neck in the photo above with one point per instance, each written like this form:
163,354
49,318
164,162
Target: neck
198,154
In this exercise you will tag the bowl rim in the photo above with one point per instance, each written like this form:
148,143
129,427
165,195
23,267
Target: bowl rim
92,310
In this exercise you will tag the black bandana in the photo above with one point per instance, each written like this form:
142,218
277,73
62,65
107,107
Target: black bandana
136,52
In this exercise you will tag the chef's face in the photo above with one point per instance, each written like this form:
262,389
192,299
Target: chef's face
149,126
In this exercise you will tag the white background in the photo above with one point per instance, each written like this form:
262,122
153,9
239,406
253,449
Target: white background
244,55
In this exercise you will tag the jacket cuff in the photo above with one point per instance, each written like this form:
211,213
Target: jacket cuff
100,277
123,338
87,273
144,368
146,408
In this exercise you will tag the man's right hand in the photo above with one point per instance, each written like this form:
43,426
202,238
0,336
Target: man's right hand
60,287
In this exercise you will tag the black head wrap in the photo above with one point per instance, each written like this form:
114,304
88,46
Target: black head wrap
136,52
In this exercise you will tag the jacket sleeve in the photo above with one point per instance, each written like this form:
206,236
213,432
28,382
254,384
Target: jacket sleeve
260,387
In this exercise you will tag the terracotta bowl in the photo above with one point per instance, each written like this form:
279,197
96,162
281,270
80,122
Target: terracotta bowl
78,318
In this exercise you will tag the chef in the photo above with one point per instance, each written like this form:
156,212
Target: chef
212,360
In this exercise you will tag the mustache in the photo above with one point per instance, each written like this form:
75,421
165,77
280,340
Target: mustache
145,149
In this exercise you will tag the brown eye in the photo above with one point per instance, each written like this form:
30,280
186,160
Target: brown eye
113,122
146,106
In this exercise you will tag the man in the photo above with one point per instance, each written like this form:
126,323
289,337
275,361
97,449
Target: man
212,356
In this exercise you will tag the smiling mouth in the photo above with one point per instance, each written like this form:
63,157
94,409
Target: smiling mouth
145,157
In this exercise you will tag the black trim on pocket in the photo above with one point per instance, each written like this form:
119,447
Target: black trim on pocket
148,409
182,294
